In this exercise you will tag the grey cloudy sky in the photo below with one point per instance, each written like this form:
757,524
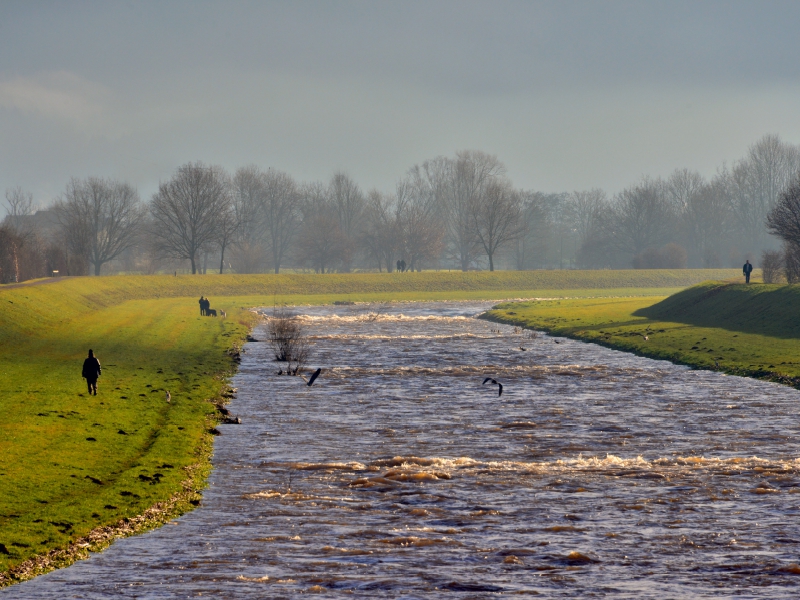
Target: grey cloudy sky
569,95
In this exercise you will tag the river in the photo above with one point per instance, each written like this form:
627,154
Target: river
399,474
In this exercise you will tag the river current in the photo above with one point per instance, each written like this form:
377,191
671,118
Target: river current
398,474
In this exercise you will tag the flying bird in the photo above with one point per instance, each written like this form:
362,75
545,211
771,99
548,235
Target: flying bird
314,375
169,396
494,382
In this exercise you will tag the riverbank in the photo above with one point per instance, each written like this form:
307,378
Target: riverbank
747,330
78,470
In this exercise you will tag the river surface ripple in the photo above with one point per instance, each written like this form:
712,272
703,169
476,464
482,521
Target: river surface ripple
398,474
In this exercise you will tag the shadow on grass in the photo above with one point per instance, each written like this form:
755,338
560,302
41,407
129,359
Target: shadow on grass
770,310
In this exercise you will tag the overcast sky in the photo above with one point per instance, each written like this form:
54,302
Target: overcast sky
569,95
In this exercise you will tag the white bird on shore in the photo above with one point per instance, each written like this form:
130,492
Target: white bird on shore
169,396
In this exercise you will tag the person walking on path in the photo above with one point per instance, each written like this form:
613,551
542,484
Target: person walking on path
91,371
747,269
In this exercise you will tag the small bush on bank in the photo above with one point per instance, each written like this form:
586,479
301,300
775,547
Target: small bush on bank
791,262
772,266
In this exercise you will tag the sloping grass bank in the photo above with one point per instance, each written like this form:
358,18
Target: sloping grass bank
749,330
78,470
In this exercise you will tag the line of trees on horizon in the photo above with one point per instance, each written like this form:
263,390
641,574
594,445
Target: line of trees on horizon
460,212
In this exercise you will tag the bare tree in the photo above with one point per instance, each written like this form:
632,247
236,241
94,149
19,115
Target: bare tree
784,218
100,218
681,186
418,226
496,218
321,243
226,231
381,236
187,210
587,209
281,213
756,184
531,246
791,262
460,185
705,220
640,217
348,202
250,239
20,208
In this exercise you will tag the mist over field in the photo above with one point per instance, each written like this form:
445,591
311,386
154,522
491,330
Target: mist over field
361,136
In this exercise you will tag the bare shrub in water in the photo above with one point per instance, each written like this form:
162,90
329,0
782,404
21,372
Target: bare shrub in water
772,266
288,339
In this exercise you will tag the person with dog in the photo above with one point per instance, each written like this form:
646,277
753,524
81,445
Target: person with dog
91,371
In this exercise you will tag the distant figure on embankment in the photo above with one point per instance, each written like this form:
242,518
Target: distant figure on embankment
747,269
204,304
91,371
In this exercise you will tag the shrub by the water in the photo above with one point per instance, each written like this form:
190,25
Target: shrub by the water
288,339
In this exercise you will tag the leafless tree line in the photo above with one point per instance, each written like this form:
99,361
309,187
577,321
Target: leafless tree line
459,212
688,219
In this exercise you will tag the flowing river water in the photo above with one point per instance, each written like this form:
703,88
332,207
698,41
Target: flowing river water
398,474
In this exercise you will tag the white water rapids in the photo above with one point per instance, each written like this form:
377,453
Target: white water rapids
399,475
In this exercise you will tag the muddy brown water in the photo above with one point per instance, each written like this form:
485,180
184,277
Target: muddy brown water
399,475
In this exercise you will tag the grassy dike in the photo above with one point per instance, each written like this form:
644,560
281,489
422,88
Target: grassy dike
749,330
76,471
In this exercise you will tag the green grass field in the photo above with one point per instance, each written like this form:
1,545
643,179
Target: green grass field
76,470
739,329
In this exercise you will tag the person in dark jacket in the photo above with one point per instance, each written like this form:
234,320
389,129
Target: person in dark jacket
202,306
91,371
747,269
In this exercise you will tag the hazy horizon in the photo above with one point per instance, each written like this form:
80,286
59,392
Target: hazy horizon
569,95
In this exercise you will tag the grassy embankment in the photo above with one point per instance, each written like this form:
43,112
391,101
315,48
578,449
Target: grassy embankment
742,330
78,470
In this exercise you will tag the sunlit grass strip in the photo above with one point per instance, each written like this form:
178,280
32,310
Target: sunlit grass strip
741,330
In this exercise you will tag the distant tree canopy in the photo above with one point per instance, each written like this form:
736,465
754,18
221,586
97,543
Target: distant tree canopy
460,212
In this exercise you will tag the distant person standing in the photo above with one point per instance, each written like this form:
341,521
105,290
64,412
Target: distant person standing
747,269
202,306
91,371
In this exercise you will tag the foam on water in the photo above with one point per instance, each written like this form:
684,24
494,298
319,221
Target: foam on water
399,474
